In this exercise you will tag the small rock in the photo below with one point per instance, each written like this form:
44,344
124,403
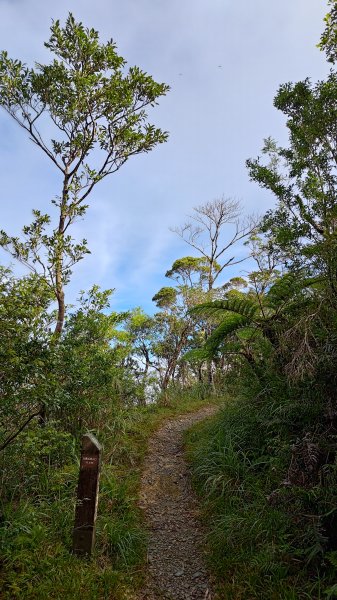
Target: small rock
197,574
179,573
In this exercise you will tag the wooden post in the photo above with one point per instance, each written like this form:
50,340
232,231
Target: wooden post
87,496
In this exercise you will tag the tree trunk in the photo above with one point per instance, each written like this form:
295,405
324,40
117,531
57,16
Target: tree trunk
60,312
172,363
59,259
210,372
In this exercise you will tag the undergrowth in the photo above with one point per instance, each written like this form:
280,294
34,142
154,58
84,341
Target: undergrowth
39,478
272,536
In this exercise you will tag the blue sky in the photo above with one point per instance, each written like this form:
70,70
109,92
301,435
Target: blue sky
224,61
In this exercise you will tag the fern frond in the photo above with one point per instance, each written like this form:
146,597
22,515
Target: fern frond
290,285
283,289
197,355
241,306
227,327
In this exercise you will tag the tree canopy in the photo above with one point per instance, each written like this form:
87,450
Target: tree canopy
94,111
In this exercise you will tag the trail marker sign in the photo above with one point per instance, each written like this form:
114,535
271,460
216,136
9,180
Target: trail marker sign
87,496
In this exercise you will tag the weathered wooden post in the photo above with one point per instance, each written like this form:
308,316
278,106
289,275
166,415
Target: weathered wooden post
87,496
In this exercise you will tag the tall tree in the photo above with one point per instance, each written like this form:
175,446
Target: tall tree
205,233
301,230
174,328
96,111
303,227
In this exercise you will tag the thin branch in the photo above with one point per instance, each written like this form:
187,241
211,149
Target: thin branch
14,435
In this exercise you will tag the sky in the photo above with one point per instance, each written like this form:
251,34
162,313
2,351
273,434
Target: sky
224,61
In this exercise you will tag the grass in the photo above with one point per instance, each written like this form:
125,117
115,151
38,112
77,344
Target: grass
37,514
266,541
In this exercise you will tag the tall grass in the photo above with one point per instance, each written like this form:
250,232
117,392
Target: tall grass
268,538
37,499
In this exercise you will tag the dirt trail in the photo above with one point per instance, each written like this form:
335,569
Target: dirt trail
176,569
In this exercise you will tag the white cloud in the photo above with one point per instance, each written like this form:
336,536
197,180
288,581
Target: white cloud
224,61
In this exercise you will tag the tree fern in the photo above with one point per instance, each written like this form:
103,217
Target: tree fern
227,327
283,289
244,307
289,286
197,355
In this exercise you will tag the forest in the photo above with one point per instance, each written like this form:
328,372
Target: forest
259,349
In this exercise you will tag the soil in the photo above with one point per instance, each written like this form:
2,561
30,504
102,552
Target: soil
176,568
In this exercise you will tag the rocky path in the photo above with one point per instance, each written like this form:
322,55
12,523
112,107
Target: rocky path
176,569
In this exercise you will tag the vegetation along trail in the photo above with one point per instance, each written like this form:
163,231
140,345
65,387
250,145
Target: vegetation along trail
176,567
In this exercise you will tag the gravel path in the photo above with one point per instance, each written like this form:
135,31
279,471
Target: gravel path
176,569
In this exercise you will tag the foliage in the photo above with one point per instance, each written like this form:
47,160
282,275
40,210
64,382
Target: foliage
302,177
98,116
205,233
328,40
39,477
74,379
191,270
267,466
269,537
265,343
165,298
25,352
90,358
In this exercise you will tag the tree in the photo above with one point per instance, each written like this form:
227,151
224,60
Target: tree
97,114
141,330
205,234
25,354
77,379
302,229
90,359
191,271
328,41
174,329
251,323
157,343
140,327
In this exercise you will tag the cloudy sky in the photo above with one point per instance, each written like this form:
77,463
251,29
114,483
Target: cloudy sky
224,60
